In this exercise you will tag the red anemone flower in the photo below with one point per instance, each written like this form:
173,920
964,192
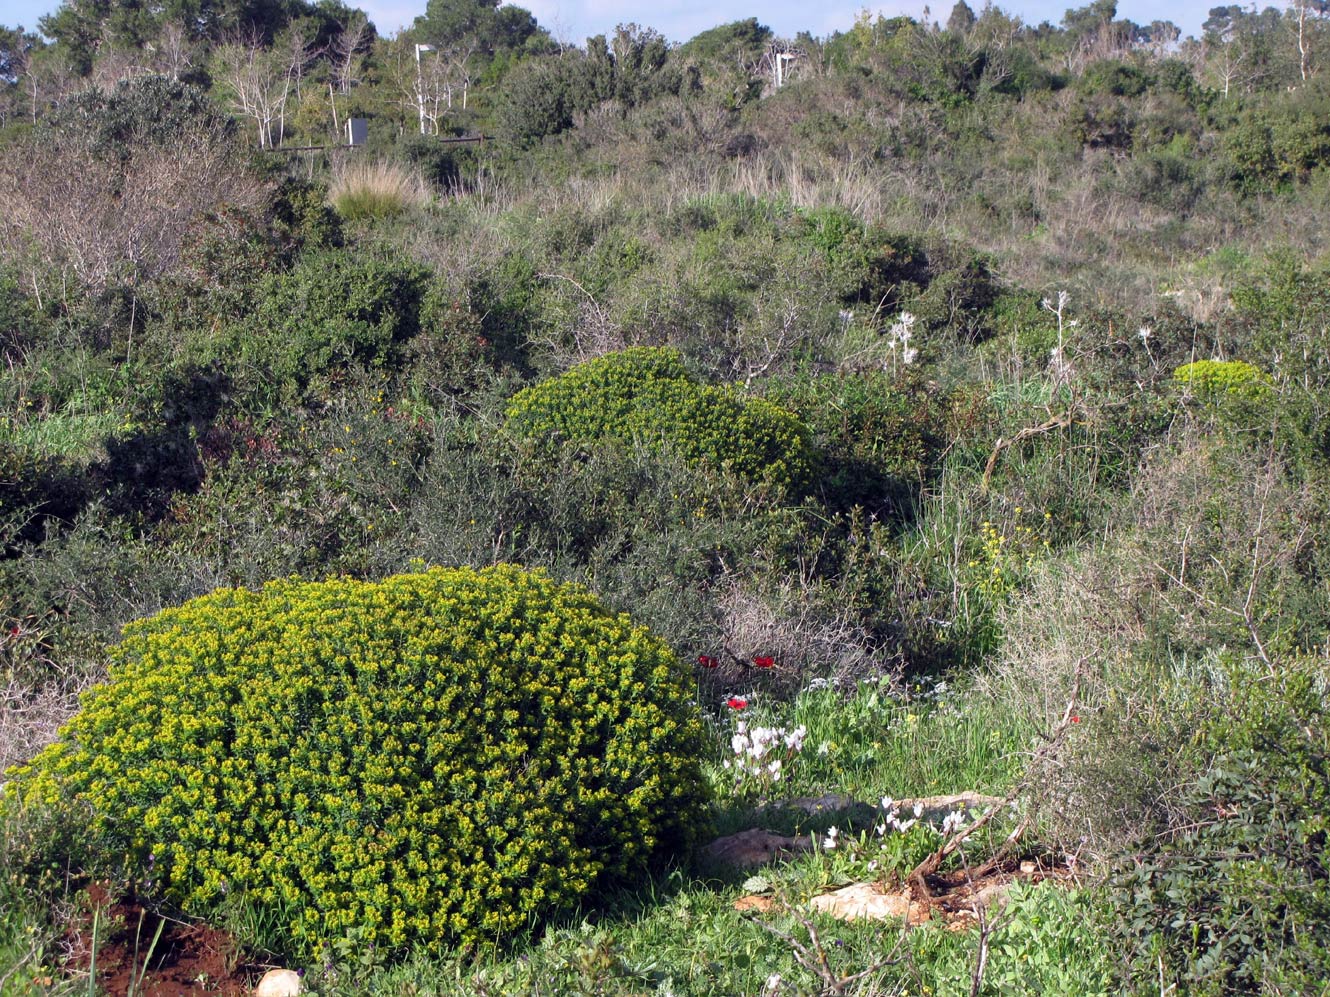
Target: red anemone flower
736,702
707,661
1076,719
764,662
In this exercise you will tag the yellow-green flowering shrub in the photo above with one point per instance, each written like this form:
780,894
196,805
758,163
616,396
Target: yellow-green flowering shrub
436,758
1216,379
645,394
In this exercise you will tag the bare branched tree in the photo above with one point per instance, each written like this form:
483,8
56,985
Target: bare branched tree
45,82
348,54
260,82
108,220
1306,14
299,52
174,55
427,82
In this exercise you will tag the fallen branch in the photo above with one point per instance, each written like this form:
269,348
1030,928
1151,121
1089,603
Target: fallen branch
1061,421
813,957
918,879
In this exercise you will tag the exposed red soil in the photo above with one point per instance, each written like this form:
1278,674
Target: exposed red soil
188,960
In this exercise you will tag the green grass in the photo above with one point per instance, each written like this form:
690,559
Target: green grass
29,949
71,435
692,943
931,740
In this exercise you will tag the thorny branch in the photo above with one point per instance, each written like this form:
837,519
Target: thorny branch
1045,753
813,957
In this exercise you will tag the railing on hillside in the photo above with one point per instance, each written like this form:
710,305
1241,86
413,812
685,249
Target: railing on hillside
357,132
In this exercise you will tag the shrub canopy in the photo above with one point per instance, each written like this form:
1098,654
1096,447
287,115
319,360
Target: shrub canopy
438,757
646,395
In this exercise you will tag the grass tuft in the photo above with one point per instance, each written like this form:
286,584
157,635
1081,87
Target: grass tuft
364,190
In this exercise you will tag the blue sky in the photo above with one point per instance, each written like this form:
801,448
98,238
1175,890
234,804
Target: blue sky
574,20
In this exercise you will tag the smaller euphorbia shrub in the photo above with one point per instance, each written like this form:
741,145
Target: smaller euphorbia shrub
646,395
439,757
1215,380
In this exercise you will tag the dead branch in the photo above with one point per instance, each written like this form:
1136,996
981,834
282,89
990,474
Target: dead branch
1060,421
813,957
918,878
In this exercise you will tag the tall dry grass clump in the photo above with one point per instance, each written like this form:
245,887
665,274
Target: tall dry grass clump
364,189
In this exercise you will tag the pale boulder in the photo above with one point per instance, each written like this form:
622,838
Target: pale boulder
278,983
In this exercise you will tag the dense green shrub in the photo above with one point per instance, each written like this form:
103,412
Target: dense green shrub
301,216
1275,141
1111,76
877,439
1236,901
646,395
865,264
332,309
144,108
441,756
540,97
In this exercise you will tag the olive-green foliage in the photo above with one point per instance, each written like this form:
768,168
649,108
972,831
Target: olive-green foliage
1237,901
441,756
877,438
332,309
1284,304
142,109
864,263
1276,140
1113,77
540,96
646,395
302,217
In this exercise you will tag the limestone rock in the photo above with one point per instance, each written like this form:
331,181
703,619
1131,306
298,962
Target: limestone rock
755,847
278,983
866,900
754,901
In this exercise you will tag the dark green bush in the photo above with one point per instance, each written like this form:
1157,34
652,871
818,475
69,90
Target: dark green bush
1110,76
646,395
877,440
864,263
33,489
1279,139
144,108
1236,901
540,96
333,309
438,757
